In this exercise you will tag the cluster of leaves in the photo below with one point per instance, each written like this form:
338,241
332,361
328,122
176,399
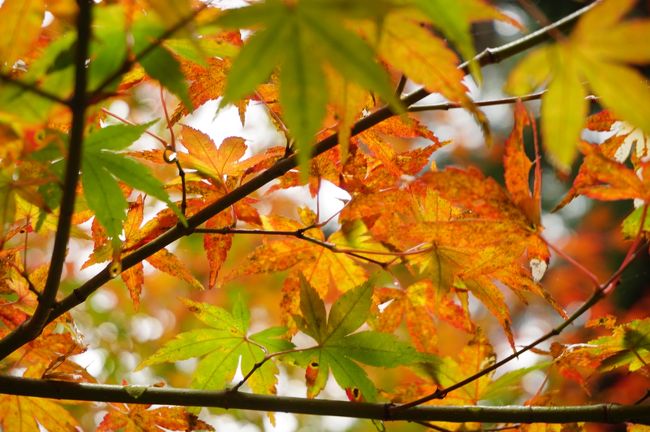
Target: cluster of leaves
411,249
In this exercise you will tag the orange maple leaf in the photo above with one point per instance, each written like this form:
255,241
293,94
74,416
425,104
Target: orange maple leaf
142,417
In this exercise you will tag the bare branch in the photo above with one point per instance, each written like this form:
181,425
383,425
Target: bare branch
445,106
601,413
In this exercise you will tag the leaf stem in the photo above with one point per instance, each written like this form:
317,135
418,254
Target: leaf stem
171,147
300,234
266,358
129,122
584,270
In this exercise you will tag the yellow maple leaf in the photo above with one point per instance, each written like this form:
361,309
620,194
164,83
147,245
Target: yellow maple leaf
598,51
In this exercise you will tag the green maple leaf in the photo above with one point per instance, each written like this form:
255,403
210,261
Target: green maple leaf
339,349
102,166
600,52
159,63
300,39
222,345
451,18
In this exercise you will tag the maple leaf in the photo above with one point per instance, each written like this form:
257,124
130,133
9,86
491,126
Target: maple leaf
217,245
49,357
636,143
440,215
476,355
137,235
207,83
300,38
169,13
636,222
108,47
603,178
421,306
347,101
101,164
215,163
486,390
28,183
159,63
377,141
517,169
131,417
598,50
200,56
211,161
23,24
322,267
31,414
339,349
425,58
222,345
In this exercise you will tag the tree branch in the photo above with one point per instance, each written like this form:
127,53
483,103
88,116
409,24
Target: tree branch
79,295
32,88
130,62
445,106
602,413
300,234
33,327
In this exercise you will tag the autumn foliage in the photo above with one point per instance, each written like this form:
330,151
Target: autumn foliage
336,247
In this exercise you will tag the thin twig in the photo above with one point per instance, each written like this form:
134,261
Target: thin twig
539,16
261,363
130,62
33,327
32,88
445,106
400,85
299,234
598,294
429,425
584,270
502,428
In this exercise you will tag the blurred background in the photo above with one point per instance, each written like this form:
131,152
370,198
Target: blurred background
120,336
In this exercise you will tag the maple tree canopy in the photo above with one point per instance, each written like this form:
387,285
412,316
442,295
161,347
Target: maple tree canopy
264,207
